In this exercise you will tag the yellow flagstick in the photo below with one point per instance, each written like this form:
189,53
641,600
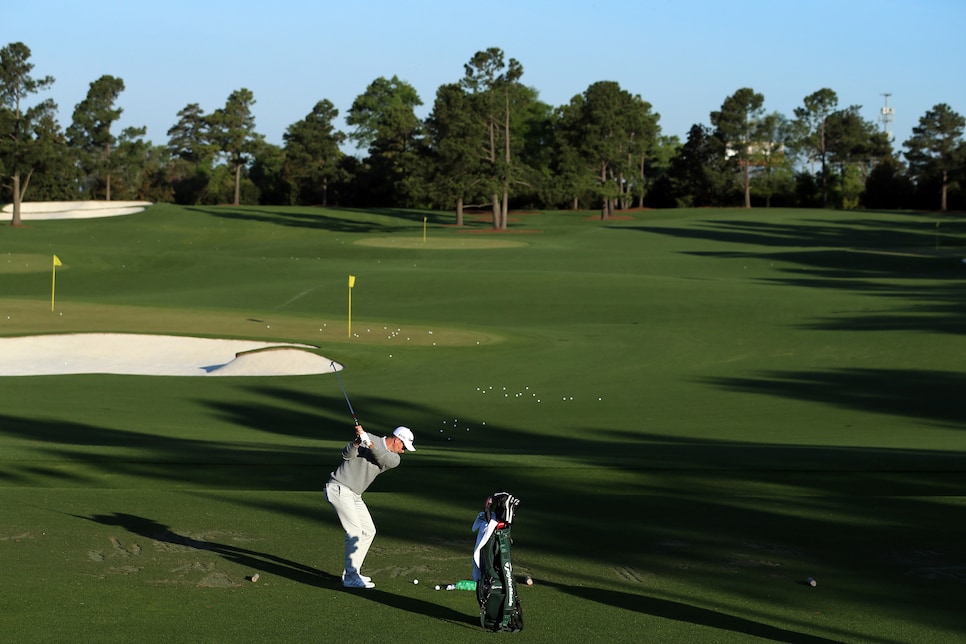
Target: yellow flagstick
352,282
53,280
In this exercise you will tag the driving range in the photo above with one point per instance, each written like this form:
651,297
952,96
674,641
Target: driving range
700,410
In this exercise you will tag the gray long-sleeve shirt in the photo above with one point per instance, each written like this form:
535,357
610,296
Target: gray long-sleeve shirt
361,465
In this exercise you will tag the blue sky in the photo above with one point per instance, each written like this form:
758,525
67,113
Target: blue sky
683,56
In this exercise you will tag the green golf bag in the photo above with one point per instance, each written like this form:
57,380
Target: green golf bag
496,590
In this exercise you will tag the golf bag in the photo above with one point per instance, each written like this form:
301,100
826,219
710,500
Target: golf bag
496,590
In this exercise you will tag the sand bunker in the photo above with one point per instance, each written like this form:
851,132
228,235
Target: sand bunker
34,210
156,355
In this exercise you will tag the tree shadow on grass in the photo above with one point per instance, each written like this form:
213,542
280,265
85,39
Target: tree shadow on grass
818,228
909,261
922,395
341,220
667,609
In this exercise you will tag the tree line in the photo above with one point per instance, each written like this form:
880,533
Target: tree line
487,144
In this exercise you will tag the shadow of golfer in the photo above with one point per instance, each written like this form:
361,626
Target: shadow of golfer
685,613
279,567
420,607
408,604
252,559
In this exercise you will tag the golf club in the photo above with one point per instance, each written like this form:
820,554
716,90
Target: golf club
364,437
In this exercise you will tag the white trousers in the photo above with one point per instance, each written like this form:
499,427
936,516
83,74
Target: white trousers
357,523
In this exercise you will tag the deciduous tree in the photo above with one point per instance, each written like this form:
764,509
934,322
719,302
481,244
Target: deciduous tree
90,132
232,130
192,154
739,124
810,131
312,153
386,124
494,85
27,133
133,159
935,147
453,135
699,174
854,145
774,174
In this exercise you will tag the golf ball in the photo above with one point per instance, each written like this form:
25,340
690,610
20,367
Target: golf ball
437,586
811,582
415,581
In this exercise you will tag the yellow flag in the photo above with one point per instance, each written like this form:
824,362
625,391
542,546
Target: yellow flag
53,280
352,282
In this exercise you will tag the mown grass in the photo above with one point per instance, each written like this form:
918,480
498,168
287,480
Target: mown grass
700,409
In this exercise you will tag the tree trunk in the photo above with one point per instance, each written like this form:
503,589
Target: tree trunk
824,184
746,182
506,156
824,173
107,179
942,206
496,211
237,185
17,200
607,209
640,177
603,185
505,206
576,205
459,211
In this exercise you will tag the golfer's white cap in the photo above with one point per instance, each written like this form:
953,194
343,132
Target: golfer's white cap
406,436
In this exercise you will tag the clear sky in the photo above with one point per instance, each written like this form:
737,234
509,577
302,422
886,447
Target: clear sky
683,56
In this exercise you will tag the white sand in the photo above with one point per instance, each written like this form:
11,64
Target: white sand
147,355
34,210
156,355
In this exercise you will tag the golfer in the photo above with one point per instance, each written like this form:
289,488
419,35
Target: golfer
363,460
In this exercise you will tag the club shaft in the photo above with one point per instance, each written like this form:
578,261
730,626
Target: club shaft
344,393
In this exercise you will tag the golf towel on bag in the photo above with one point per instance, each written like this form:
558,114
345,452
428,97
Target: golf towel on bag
496,590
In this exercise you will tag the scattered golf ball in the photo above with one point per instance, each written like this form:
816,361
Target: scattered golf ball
437,586
415,581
